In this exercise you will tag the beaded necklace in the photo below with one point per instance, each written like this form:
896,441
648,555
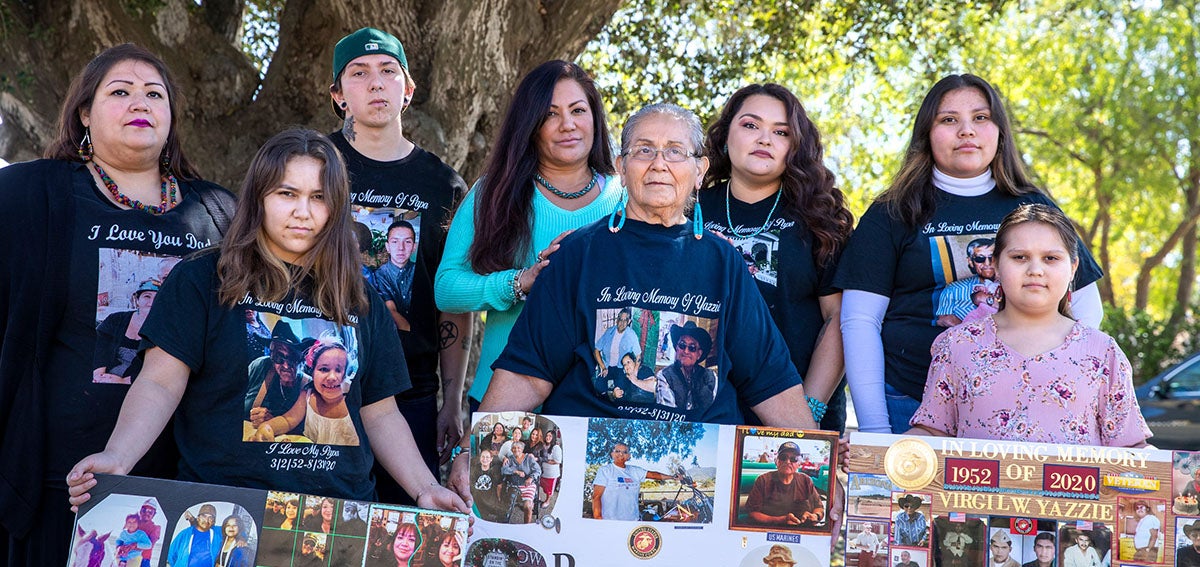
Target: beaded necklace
169,197
729,218
563,194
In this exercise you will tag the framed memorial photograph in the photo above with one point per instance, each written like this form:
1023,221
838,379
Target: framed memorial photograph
783,480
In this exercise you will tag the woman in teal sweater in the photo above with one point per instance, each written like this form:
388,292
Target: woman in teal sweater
549,173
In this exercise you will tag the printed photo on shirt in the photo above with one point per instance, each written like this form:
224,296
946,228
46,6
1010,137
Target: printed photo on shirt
870,495
910,558
650,471
209,532
959,540
1141,529
1185,479
662,358
779,555
516,464
760,253
401,536
387,242
311,550
1187,541
1004,542
128,282
910,519
783,480
1084,544
120,528
866,543
297,391
966,266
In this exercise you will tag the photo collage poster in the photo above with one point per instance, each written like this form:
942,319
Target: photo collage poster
553,490
927,501
154,522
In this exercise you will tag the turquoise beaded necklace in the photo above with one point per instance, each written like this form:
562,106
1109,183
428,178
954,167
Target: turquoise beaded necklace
563,194
729,218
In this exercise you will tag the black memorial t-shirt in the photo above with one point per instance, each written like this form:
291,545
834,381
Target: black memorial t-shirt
421,190
318,454
781,260
119,257
700,326
914,267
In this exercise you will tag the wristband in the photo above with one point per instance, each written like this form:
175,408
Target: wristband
818,408
518,293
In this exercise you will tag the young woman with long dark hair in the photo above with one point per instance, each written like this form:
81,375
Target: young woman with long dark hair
768,190
290,255
923,253
550,171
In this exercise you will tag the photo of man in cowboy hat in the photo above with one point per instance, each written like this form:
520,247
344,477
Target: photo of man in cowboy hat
910,527
1188,555
693,386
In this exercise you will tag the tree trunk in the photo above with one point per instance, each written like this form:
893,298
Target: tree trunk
465,56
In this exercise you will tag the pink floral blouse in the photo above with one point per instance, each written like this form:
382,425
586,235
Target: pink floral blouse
1080,392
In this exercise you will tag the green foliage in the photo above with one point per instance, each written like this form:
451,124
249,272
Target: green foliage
1146,340
647,440
260,32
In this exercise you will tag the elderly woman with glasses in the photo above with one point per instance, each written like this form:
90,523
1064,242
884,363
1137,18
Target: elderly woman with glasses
674,279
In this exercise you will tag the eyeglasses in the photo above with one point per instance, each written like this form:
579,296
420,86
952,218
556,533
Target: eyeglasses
981,259
209,516
689,347
789,459
280,357
672,154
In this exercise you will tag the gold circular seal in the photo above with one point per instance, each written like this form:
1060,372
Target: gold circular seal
910,463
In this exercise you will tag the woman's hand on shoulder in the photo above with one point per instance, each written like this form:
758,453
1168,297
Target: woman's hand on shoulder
529,276
82,477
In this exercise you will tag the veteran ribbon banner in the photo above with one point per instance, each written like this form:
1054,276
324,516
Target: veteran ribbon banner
134,521
571,491
925,501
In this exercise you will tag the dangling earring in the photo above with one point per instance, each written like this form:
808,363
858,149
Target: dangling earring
166,159
697,221
613,225
999,295
85,146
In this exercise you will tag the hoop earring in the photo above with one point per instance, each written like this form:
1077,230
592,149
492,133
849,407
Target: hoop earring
86,150
697,221
613,225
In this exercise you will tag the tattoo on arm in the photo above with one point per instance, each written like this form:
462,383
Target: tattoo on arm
447,335
824,327
348,128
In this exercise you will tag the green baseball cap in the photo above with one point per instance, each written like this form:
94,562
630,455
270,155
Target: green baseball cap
366,41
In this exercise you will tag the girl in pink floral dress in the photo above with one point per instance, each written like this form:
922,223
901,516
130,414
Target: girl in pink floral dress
1030,372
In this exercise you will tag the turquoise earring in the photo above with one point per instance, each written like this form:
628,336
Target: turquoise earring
613,224
697,221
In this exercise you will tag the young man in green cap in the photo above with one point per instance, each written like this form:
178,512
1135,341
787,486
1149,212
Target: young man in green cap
394,181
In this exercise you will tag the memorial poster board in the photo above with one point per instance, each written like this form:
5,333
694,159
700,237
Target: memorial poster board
153,522
936,501
636,492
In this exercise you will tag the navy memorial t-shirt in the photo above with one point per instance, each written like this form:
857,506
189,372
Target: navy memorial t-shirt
213,340
703,330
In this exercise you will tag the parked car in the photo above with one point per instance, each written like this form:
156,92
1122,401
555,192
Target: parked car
1171,405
